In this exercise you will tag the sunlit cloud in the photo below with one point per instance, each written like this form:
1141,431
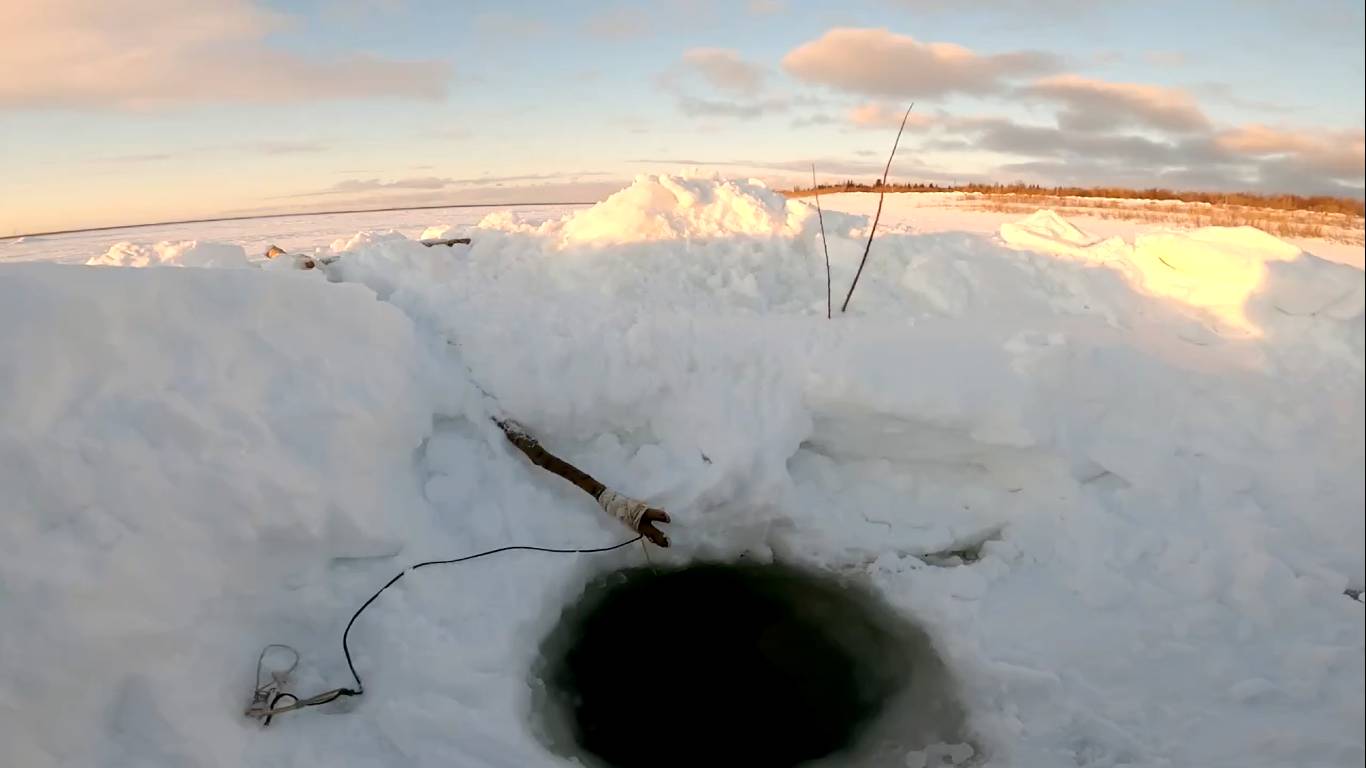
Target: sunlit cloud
715,82
882,63
877,114
147,54
726,70
1096,105
352,186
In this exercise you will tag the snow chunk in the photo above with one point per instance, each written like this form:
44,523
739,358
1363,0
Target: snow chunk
186,253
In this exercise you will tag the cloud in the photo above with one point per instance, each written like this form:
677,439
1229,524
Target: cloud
726,70
1098,105
1223,92
285,147
734,87
1166,58
823,165
815,119
150,157
702,107
352,186
620,23
1008,137
365,185
504,26
361,11
906,167
1339,155
766,7
877,114
881,63
449,133
141,54
529,194
1247,158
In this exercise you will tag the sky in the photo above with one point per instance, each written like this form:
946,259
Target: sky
153,110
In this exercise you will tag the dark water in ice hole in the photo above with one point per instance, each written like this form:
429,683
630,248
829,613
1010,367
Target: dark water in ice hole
757,665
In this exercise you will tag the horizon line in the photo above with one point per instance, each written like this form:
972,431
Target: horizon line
285,215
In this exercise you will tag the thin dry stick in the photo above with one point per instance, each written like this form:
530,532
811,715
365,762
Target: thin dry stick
881,195
824,245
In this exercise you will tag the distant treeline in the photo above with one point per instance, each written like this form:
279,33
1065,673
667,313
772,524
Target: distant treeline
1317,203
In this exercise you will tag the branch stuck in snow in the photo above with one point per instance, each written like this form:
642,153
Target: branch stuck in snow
881,196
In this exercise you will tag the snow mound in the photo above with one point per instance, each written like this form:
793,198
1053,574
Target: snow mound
664,207
437,232
385,259
1231,274
1127,523
1045,226
1047,232
186,253
174,444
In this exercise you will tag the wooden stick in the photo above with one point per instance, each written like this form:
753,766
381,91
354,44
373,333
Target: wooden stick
824,245
584,481
882,195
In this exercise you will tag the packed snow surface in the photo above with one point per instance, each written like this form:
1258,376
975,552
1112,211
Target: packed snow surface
1118,481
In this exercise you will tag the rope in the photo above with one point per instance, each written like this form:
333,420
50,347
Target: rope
267,695
623,508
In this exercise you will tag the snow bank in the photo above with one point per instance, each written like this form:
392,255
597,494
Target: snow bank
1164,508
662,207
1047,232
178,449
187,253
1221,271
437,232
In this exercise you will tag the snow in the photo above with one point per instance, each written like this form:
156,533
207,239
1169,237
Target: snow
300,233
679,208
188,253
1162,472
1222,270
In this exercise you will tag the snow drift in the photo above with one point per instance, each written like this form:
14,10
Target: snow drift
176,447
189,253
1228,272
1125,519
662,207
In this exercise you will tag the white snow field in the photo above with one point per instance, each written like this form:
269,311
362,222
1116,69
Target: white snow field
1155,444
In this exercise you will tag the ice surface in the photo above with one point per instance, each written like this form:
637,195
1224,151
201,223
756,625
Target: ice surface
1125,502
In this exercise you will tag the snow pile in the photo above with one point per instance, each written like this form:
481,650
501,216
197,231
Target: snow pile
1047,232
437,232
1126,525
663,207
178,451
1219,270
186,253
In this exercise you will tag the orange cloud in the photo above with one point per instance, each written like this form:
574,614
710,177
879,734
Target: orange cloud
877,114
879,62
725,69
1339,154
138,54
1090,104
